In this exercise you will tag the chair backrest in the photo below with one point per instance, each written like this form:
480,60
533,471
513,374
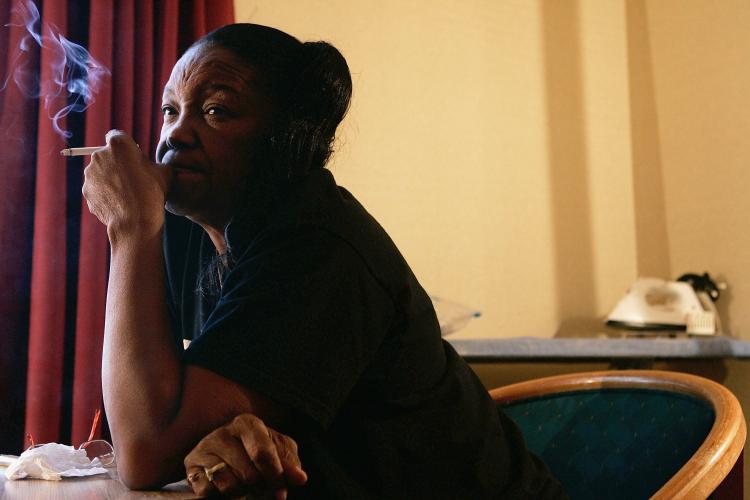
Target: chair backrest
631,433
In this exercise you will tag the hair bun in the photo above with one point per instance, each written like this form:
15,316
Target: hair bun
319,102
326,81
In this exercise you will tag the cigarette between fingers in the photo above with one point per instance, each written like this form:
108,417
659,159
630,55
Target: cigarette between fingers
80,151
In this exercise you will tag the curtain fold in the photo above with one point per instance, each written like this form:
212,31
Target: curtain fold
93,253
48,265
138,41
18,123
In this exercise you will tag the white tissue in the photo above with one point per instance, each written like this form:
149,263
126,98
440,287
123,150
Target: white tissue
53,461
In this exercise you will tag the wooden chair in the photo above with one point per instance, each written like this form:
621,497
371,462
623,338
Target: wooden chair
632,433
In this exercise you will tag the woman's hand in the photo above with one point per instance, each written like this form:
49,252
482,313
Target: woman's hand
258,460
125,190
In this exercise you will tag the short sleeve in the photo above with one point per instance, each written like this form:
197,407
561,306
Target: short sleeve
299,319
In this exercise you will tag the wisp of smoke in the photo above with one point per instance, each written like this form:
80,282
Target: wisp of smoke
76,75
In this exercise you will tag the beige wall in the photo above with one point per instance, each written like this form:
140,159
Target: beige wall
701,80
492,140
532,158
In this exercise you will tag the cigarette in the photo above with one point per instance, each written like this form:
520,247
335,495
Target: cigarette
80,151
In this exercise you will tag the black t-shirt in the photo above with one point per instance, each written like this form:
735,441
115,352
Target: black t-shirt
321,313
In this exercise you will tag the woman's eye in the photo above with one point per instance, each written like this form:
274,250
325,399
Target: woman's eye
168,111
215,111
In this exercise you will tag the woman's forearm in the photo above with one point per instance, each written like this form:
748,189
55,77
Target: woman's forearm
141,371
157,409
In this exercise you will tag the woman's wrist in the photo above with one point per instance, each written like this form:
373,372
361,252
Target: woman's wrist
128,232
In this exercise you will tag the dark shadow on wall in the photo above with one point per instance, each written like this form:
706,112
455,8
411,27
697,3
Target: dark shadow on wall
652,241
566,140
725,305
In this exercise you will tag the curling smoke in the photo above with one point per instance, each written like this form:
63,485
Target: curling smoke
75,74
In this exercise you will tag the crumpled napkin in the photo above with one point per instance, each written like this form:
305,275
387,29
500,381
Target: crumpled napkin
53,461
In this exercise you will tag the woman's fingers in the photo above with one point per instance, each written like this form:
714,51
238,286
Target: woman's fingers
220,464
226,481
119,138
195,468
121,143
288,454
125,190
207,482
254,458
233,454
196,478
260,447
218,477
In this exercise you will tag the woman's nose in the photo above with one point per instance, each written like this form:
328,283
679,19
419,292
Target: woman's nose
181,132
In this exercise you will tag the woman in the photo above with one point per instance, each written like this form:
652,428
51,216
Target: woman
302,313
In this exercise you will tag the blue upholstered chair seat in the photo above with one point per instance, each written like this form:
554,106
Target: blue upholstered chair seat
613,443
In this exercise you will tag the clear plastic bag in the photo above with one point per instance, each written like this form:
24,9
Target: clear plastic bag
452,316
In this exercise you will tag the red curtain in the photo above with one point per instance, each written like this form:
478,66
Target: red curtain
53,253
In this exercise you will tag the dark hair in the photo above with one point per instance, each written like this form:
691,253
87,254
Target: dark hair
310,84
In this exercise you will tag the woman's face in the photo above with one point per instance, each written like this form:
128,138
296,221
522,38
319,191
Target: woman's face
215,118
